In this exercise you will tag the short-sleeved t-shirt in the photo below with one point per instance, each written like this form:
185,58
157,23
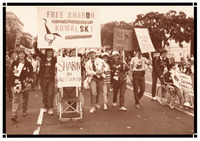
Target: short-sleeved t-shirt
139,63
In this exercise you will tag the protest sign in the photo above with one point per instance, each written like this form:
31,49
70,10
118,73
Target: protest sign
68,27
68,71
123,39
144,40
182,81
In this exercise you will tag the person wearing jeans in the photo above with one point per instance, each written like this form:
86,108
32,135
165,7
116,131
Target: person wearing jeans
138,73
94,70
21,81
47,78
119,77
107,80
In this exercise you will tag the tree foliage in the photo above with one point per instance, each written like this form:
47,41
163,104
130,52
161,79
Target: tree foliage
164,27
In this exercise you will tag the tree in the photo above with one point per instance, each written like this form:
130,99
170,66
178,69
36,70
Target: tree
164,27
107,31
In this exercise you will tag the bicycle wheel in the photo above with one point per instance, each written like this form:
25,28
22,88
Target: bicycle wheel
163,95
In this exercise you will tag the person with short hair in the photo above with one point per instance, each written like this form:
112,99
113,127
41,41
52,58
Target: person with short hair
159,65
138,74
107,80
94,70
119,76
21,81
47,78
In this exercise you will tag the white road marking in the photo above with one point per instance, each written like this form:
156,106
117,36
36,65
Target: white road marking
149,95
40,118
39,122
37,131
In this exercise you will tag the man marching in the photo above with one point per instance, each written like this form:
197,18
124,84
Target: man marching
21,80
138,72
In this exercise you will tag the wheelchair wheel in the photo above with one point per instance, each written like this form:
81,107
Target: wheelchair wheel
175,101
163,95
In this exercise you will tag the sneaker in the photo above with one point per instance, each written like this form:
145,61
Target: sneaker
14,118
24,114
92,110
50,112
155,98
123,109
187,104
137,106
105,107
97,106
45,110
114,104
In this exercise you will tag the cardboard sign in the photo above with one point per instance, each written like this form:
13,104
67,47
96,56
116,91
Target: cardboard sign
123,39
182,81
144,40
68,27
68,71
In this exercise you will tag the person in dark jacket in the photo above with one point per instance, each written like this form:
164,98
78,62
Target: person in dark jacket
21,81
119,75
12,56
47,78
159,64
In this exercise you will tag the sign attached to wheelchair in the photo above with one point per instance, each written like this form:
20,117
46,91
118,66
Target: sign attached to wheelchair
182,81
68,72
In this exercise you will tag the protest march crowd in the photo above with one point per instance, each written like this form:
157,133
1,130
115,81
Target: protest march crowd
101,74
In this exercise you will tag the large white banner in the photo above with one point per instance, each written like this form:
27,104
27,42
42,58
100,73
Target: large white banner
144,40
123,39
68,27
68,71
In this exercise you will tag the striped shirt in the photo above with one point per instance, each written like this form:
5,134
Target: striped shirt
107,71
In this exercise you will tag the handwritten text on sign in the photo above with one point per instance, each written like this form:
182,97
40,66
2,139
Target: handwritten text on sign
182,81
69,71
68,27
144,40
122,39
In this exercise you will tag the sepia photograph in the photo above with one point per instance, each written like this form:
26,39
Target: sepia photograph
103,69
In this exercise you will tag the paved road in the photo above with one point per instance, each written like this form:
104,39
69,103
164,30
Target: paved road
152,118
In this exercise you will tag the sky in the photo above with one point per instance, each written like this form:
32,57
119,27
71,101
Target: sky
28,14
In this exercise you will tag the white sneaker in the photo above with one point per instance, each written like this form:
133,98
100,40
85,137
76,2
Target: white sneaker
155,98
97,106
105,107
50,112
114,104
45,110
187,104
92,110
123,109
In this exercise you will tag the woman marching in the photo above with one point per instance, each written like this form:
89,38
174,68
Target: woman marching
107,80
21,78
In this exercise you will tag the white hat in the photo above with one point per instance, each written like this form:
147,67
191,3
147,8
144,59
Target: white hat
92,50
105,54
115,53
